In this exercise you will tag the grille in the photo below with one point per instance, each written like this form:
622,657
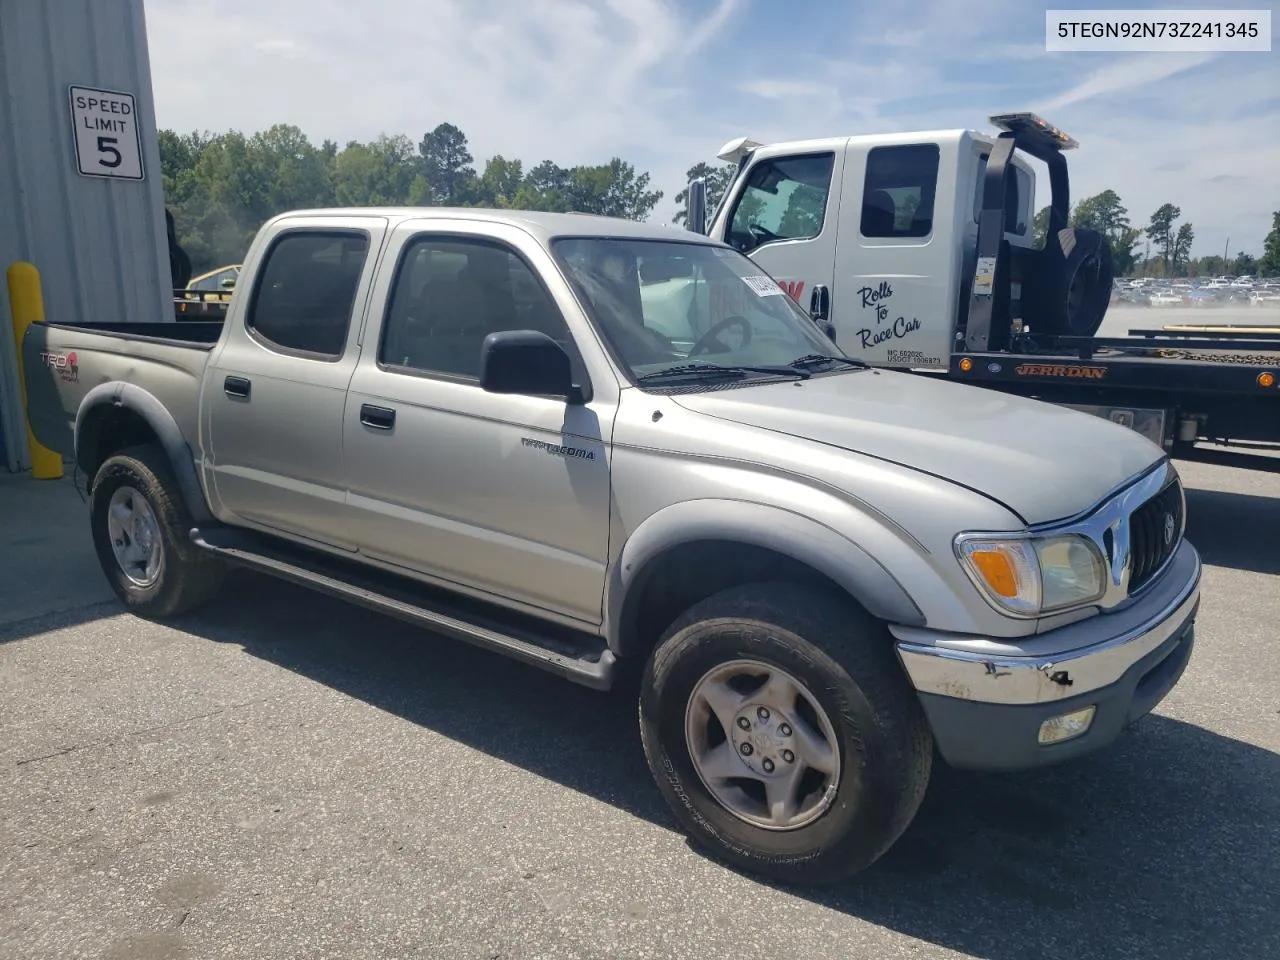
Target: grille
1147,526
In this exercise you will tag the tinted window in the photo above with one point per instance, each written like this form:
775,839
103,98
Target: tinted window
783,199
306,290
897,195
449,294
1017,199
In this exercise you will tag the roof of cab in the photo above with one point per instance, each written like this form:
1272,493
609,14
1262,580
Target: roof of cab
544,226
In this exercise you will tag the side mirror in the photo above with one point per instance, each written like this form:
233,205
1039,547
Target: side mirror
697,219
527,362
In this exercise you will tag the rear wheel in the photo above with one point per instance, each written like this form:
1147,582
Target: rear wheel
783,734
140,531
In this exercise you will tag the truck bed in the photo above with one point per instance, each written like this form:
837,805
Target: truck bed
63,362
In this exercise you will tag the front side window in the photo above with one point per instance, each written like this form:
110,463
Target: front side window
782,199
306,291
898,192
661,304
450,293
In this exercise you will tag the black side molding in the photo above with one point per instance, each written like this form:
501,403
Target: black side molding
580,657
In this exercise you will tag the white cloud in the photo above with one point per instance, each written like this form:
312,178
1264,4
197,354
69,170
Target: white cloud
1126,74
663,83
783,89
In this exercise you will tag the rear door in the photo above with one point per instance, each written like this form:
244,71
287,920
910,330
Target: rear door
275,393
784,216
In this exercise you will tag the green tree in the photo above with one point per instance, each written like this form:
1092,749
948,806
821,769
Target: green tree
446,164
613,189
379,173
717,180
1180,251
1269,264
1160,232
1244,265
222,187
500,183
545,187
1040,225
1105,213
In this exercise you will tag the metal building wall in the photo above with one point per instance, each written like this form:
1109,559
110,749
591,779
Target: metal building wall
100,245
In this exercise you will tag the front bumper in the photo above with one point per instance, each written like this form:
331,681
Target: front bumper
986,699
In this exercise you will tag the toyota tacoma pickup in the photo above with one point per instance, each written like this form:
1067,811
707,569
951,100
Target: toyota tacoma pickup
517,430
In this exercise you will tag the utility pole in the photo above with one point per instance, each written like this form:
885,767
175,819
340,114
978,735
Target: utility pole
1225,247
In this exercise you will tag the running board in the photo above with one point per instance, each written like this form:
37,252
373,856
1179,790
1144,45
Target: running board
580,657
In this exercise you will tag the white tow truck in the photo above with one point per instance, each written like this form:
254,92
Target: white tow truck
917,251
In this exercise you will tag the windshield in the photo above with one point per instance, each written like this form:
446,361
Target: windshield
664,304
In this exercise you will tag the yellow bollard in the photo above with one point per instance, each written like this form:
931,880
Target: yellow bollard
26,303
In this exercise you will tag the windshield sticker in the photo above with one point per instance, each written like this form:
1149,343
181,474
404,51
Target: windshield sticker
764,286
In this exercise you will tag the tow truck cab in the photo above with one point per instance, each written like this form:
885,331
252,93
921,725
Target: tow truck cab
910,246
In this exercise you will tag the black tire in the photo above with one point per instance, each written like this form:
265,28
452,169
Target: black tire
845,658
187,576
1073,285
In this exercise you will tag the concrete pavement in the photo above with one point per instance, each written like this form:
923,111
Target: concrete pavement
285,776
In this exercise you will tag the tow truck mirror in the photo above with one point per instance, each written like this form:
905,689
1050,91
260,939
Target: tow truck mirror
527,362
697,214
820,311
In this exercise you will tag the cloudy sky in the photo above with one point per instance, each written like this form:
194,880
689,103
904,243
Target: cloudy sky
664,83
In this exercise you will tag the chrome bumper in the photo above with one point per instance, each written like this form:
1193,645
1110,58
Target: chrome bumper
1073,660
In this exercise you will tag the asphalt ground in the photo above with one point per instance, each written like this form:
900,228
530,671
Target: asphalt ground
285,776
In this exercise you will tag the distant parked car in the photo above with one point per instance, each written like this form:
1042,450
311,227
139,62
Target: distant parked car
219,283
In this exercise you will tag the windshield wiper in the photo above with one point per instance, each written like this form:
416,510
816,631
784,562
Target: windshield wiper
815,359
700,371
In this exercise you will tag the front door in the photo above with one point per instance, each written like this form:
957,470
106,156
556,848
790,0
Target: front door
784,217
274,394
506,495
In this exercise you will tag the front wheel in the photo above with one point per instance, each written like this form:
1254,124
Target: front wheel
783,734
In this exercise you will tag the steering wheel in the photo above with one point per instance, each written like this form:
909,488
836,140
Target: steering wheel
760,234
712,336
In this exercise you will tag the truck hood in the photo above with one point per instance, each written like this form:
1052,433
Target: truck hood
1042,461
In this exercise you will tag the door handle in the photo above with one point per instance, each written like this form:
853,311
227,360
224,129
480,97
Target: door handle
380,418
236,387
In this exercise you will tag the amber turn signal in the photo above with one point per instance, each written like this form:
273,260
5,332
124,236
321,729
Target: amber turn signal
966,365
1264,379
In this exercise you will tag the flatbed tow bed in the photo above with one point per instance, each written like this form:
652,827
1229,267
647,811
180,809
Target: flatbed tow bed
1172,385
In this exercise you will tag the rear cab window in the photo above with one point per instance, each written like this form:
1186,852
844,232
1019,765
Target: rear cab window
1017,205
306,290
898,191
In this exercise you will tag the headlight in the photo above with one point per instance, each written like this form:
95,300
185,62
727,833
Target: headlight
1030,576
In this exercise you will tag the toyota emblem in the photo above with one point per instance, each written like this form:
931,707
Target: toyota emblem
1170,527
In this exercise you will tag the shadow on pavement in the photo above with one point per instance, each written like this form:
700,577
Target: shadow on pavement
1163,846
1235,530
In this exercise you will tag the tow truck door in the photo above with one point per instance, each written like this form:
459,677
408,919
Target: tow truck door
782,212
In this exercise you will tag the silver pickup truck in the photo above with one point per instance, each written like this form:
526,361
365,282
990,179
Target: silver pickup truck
587,443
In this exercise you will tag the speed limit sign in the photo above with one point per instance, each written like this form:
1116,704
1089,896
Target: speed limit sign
108,142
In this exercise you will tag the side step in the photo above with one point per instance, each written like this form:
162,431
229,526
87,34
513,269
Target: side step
573,655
